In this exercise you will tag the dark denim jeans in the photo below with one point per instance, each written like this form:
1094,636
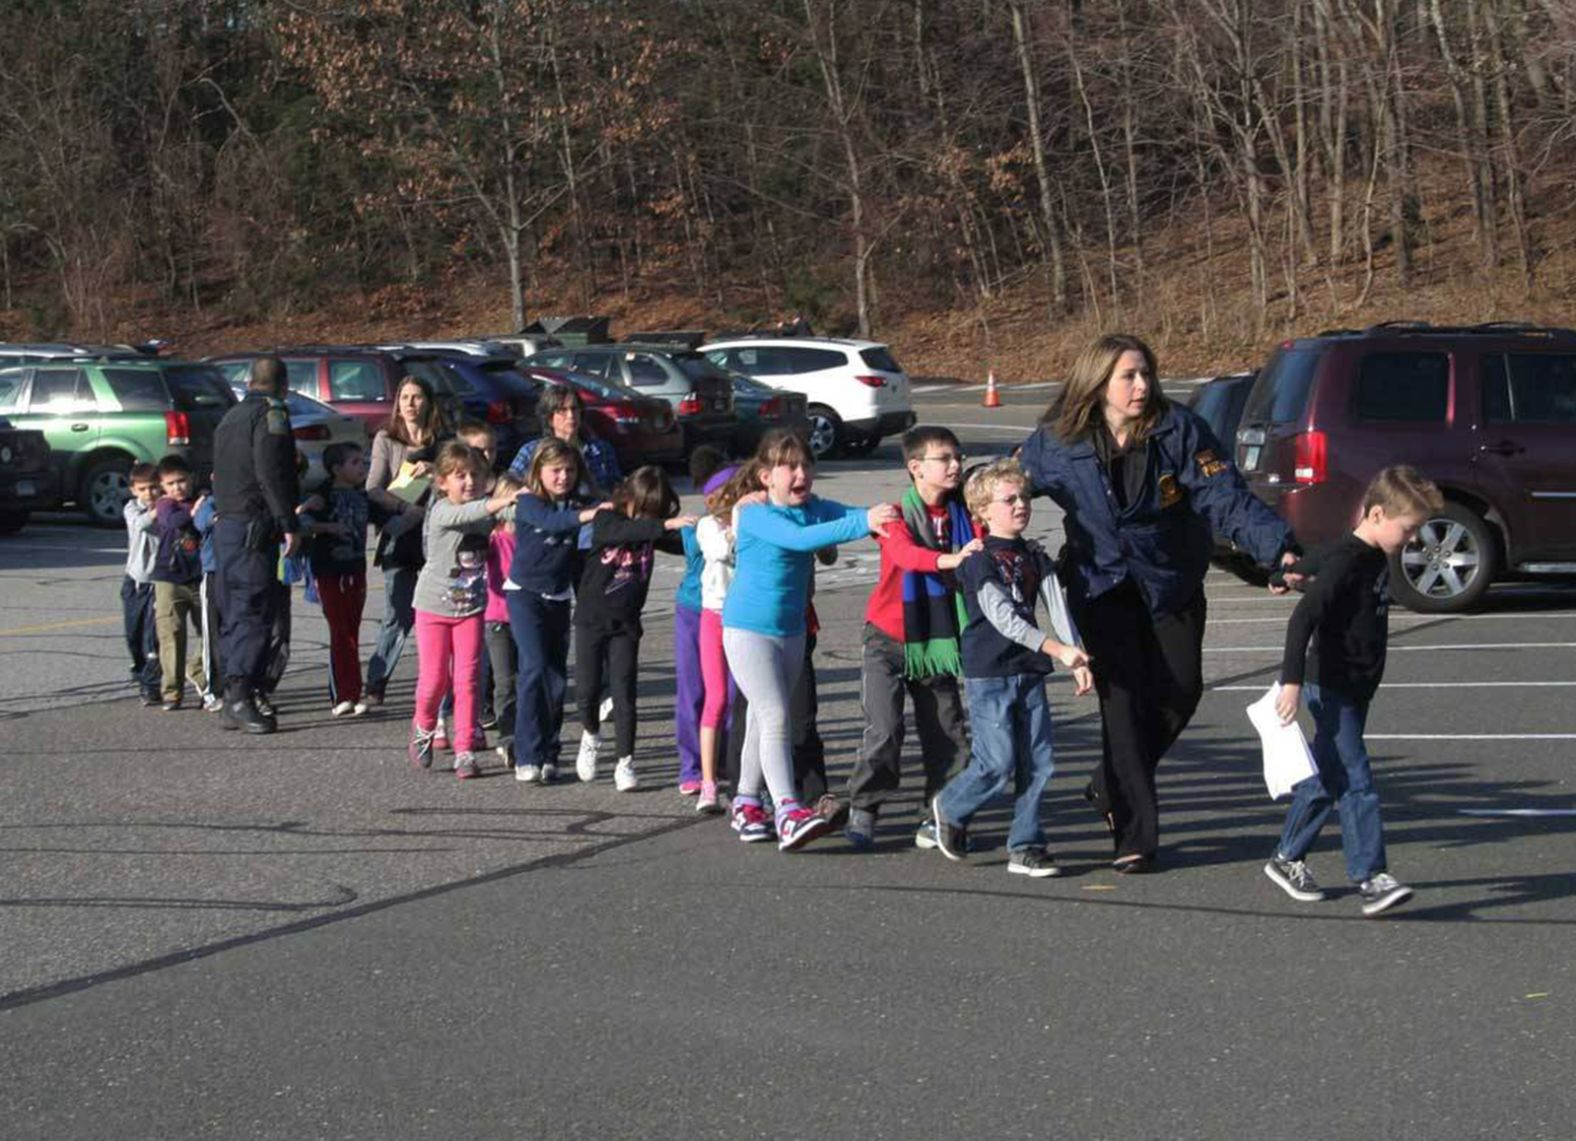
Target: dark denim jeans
1011,722
1344,783
399,618
142,640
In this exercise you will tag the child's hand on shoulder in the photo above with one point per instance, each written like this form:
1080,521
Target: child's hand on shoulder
679,522
1287,702
954,560
880,515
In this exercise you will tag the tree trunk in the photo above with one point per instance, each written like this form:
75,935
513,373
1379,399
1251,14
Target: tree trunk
1057,260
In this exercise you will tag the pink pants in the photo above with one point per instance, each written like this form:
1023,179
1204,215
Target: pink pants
449,652
713,671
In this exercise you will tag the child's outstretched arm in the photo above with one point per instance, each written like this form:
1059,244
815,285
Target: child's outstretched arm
842,525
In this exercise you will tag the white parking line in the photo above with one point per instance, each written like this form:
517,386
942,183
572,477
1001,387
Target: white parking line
1516,811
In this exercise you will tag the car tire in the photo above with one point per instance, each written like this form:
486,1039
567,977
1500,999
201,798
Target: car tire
13,521
826,431
1449,565
104,489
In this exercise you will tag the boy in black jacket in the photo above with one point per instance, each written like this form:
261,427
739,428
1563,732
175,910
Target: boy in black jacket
1345,612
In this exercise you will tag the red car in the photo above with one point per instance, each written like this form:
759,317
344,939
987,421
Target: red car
641,428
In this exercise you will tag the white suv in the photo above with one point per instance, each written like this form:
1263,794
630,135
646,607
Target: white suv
857,394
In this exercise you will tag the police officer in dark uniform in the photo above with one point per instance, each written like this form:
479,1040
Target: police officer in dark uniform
255,494
1144,484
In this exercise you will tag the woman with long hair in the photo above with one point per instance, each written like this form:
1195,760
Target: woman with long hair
404,449
1144,484
563,415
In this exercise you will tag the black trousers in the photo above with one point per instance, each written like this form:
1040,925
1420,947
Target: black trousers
616,646
504,660
1148,671
249,600
809,751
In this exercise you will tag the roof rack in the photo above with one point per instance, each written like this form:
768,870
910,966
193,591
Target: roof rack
1424,328
667,338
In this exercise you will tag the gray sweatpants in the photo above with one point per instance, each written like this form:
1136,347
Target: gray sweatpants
765,669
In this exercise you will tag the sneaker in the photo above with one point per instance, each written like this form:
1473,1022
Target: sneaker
465,766
264,706
585,759
831,809
343,709
440,736
149,700
212,703
359,709
172,705
706,802
549,774
506,755
1036,862
528,774
861,830
797,827
689,788
624,778
925,836
420,750
1382,892
951,841
604,714
489,719
752,823
1293,878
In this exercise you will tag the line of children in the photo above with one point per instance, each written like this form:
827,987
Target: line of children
502,657
709,470
177,582
136,586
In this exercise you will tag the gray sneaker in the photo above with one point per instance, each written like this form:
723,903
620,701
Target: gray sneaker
1293,878
1036,862
860,831
1382,892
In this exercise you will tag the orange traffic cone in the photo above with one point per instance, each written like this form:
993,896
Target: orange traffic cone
992,397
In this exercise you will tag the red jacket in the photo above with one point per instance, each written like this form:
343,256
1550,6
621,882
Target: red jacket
899,554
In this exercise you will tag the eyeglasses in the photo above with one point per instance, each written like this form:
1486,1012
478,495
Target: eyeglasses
945,459
1012,500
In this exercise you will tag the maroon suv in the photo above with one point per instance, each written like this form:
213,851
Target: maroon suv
1488,412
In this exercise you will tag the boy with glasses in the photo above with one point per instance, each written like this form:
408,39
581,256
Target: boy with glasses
911,639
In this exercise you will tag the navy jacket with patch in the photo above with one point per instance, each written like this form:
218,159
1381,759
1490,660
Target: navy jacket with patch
1162,540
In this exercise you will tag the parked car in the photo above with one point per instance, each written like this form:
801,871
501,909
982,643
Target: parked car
101,416
758,408
857,393
359,380
1488,412
27,477
1219,403
642,429
700,393
16,353
313,424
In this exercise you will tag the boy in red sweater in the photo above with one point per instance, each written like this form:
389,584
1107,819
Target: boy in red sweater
911,640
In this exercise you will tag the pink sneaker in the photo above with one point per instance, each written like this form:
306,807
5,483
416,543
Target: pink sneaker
797,827
689,788
752,823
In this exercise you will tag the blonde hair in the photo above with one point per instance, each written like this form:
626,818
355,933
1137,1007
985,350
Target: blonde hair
1402,490
982,485
551,452
1079,409
453,456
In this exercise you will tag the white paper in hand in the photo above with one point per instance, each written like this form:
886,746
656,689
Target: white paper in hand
1287,758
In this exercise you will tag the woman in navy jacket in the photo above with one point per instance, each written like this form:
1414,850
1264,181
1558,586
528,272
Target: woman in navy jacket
1143,483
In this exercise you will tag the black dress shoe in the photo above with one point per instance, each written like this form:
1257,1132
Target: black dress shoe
242,714
1134,865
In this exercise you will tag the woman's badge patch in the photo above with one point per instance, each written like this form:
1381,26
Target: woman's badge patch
1169,491
1209,464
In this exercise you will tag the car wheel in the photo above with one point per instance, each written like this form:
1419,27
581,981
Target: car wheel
825,430
12,521
104,491
1449,565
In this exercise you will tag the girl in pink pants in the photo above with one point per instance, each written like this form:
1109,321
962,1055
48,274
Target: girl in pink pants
450,600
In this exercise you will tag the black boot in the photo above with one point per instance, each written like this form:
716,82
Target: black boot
240,712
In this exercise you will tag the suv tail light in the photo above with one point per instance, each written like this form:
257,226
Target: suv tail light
773,407
499,412
177,429
872,381
691,405
1309,463
311,432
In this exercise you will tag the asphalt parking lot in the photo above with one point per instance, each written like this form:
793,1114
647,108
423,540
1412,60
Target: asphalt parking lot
296,936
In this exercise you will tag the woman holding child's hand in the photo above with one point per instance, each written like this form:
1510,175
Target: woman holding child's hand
1144,485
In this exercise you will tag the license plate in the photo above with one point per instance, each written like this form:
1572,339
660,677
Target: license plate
26,487
1250,458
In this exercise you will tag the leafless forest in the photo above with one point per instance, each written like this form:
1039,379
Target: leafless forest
1209,165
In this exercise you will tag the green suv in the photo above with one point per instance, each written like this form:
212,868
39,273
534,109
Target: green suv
101,416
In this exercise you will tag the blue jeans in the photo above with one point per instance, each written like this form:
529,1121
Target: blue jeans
1344,782
1011,722
399,617
541,639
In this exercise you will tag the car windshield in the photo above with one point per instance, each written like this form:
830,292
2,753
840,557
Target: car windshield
749,385
880,358
592,384
198,386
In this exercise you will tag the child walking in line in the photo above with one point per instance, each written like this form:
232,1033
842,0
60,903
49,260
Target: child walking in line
776,532
203,519
136,586
337,551
613,587
714,533
450,597
501,654
177,581
1345,613
539,590
1006,658
912,637
709,469
479,436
